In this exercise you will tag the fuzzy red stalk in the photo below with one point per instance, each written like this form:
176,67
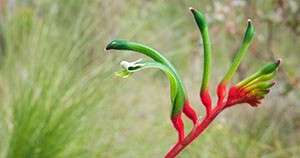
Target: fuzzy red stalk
236,95
199,127
179,126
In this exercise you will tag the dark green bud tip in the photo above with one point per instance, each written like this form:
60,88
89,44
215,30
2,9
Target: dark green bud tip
271,67
117,44
249,34
199,18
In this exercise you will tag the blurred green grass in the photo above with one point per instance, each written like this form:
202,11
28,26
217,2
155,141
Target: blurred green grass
58,98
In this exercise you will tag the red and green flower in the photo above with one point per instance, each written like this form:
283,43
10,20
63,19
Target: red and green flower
251,90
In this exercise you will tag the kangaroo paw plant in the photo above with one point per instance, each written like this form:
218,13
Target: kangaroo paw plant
251,90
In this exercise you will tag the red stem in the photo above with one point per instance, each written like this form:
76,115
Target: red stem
199,127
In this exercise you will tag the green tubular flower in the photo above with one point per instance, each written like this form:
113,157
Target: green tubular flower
156,56
202,25
248,37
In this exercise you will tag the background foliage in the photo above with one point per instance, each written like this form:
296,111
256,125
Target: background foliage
58,98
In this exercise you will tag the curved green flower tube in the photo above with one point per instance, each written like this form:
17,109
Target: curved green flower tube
202,25
204,91
156,56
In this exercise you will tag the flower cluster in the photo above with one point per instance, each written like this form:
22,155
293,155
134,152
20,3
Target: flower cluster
251,90
254,88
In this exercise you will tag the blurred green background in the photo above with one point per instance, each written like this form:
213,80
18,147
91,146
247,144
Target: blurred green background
59,99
